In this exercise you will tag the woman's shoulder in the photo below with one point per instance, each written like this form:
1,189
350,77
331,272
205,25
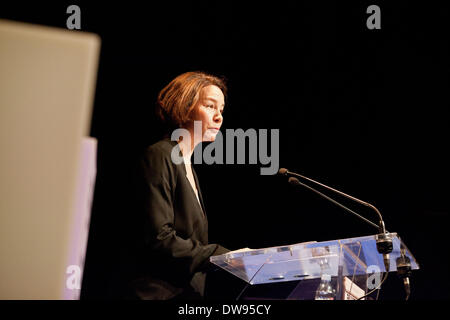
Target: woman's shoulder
162,146
157,162
161,150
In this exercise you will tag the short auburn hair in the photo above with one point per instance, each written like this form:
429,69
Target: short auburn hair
177,100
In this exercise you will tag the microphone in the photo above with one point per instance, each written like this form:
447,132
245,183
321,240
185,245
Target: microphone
295,181
383,239
381,226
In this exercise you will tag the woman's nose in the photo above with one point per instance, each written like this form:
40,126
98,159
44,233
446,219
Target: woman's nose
218,117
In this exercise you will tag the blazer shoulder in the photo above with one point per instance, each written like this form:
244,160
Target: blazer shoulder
157,160
160,150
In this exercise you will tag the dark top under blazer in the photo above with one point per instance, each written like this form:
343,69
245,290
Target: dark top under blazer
175,229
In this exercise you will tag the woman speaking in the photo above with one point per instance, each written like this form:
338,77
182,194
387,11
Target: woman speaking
175,249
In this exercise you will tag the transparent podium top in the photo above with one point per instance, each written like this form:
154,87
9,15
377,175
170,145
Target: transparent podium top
309,260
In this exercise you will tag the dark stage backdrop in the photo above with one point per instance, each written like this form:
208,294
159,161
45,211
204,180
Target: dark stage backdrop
364,111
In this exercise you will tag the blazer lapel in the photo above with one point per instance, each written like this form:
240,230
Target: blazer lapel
174,143
199,191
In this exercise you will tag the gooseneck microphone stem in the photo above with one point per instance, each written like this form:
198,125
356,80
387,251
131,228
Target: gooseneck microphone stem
383,240
381,226
295,181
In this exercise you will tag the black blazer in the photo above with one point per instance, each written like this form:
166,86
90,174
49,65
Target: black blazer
175,251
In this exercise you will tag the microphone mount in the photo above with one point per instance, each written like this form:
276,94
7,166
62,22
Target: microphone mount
404,270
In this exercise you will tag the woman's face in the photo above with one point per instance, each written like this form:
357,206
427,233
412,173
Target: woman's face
209,110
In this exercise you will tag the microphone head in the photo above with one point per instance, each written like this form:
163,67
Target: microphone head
294,181
283,171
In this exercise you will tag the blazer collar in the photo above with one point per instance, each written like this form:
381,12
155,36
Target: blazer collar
174,143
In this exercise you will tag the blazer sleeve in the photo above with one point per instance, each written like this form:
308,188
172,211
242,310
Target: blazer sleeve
184,254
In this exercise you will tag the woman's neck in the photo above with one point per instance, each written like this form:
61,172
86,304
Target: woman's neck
188,144
187,148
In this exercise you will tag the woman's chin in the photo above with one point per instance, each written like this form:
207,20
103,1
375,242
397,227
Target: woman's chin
209,137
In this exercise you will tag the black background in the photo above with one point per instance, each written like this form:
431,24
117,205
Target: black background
364,111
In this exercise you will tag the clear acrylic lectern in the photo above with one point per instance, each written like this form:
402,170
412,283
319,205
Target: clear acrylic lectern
354,265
